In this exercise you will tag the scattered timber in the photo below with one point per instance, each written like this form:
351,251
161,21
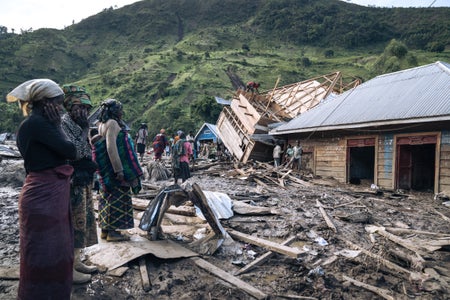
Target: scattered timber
275,247
229,278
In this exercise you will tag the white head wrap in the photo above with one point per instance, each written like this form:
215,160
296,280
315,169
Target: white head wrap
34,90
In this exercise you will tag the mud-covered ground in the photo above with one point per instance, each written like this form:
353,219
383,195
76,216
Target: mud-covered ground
405,265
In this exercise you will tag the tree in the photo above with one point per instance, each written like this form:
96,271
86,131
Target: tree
11,117
206,109
396,48
306,62
436,47
328,53
394,58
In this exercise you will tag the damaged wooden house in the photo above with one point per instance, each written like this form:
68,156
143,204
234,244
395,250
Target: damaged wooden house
243,126
392,131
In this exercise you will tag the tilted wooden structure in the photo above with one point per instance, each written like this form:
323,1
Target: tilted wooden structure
244,125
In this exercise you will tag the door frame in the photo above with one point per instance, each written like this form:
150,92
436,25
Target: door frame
418,138
361,141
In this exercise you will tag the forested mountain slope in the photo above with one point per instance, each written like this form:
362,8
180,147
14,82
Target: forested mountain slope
166,60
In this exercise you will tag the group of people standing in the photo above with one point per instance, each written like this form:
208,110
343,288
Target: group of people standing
181,149
56,216
291,157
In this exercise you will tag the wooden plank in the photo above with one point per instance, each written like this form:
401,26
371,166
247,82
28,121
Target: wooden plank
387,263
331,164
326,217
261,183
146,285
444,172
184,210
229,278
299,181
275,247
9,272
263,257
140,204
248,116
230,137
117,272
444,164
386,294
421,249
243,208
445,148
413,231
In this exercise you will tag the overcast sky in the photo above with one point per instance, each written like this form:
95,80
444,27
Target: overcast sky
35,14
26,14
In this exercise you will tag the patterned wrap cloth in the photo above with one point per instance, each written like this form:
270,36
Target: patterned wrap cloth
132,170
115,205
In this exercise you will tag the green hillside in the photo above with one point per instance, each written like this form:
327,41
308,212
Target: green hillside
166,60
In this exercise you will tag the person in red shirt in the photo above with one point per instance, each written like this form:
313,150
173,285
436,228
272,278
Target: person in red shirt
252,87
159,144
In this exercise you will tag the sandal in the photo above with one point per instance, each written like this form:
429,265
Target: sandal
114,236
104,234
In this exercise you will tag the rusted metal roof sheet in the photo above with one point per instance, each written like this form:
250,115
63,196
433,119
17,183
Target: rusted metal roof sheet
420,94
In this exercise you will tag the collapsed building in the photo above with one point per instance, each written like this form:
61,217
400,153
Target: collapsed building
244,125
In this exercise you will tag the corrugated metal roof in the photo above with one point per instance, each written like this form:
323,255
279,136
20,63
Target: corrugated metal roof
222,101
210,126
417,94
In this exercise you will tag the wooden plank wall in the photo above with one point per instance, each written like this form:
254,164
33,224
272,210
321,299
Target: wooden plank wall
229,136
385,161
444,163
246,113
329,157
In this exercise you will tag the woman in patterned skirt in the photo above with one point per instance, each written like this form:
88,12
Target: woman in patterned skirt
119,171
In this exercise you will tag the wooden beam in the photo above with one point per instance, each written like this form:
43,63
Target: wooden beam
413,231
9,272
380,292
390,265
229,278
326,217
421,249
275,247
146,285
263,257
140,204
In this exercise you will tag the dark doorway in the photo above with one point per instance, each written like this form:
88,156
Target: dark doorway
361,164
415,165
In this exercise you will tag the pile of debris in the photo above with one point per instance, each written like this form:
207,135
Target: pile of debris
246,231
328,238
